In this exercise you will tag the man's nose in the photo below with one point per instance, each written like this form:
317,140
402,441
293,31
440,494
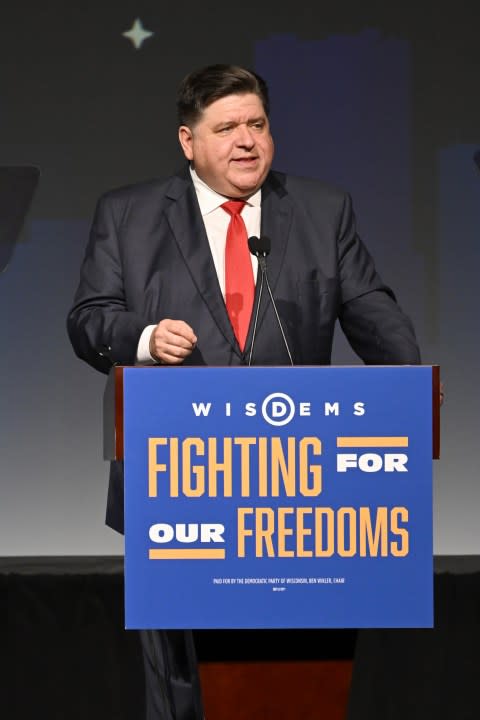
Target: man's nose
245,136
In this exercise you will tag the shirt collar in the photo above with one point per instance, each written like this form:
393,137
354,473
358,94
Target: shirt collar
209,200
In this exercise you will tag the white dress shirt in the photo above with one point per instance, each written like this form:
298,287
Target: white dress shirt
216,222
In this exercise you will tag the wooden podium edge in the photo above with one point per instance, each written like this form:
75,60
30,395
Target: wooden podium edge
119,434
436,412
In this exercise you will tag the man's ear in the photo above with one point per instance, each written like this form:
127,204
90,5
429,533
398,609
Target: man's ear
185,138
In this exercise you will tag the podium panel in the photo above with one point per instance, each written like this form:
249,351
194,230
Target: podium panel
278,497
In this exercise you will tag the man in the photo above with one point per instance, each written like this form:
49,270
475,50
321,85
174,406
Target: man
168,279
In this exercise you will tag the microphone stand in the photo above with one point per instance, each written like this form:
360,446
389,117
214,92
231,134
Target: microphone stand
263,273
275,309
260,248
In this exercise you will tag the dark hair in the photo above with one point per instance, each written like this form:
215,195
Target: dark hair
202,87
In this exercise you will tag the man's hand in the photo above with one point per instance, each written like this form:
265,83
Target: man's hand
172,341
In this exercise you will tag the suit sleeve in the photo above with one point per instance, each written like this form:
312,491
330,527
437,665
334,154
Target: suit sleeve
375,326
102,329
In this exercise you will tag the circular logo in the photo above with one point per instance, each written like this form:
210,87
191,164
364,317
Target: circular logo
278,409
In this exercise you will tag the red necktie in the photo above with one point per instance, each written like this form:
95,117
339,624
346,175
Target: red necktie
239,284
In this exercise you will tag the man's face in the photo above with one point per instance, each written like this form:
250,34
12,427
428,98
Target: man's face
230,146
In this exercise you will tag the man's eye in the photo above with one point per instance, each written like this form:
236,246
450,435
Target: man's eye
259,125
225,129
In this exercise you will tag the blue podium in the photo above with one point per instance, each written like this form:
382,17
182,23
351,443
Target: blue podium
277,497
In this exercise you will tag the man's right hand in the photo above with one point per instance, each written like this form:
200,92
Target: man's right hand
172,341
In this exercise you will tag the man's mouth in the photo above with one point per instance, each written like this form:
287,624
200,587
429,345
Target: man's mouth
245,160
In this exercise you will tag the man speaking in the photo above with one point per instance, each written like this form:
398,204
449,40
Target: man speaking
168,279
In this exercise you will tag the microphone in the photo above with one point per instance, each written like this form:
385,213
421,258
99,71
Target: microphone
476,158
260,247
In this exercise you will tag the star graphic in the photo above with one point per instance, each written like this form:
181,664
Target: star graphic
137,34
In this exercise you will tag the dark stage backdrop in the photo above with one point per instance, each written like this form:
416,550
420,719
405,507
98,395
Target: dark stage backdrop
375,97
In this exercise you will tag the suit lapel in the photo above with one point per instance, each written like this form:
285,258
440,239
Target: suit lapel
186,223
275,224
276,221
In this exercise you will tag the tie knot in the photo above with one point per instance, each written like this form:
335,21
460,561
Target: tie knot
234,207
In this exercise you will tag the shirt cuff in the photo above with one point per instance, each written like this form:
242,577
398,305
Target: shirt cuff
143,349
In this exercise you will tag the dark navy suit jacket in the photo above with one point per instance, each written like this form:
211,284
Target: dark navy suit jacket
148,258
